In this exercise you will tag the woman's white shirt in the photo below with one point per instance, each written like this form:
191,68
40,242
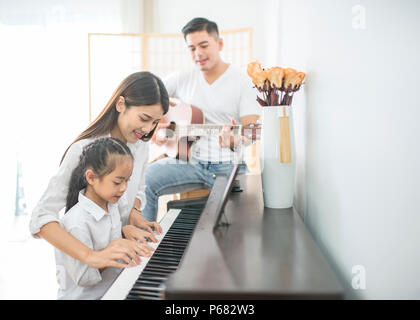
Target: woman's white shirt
54,198
96,228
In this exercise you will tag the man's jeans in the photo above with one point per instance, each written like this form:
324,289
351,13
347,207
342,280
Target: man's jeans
169,176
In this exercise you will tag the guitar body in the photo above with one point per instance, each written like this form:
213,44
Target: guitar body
181,114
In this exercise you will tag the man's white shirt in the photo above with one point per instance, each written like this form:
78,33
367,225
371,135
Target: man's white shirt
231,96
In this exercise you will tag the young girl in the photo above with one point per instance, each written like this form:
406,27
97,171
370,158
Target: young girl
92,216
131,115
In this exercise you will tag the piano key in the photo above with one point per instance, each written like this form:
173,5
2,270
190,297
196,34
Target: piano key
172,250
145,293
166,258
125,280
163,267
151,283
153,277
170,256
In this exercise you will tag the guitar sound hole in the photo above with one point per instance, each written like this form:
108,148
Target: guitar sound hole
170,131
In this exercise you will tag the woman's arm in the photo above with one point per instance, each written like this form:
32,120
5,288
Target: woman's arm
64,241
126,250
136,219
54,197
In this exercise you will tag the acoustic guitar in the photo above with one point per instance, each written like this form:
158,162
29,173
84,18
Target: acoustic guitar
187,125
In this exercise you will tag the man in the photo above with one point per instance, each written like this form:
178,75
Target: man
225,94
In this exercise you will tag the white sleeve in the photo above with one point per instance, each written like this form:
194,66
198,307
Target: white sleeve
171,84
141,190
116,230
54,197
80,272
248,101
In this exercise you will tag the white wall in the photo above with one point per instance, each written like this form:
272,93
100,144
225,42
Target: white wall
170,16
357,137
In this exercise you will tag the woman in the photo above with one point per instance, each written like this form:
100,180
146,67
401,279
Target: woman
131,115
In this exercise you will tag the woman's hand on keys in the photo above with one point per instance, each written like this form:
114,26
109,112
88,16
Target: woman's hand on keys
134,233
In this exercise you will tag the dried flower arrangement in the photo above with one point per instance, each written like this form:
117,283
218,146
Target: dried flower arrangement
276,84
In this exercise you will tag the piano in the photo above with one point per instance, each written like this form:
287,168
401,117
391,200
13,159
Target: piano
229,246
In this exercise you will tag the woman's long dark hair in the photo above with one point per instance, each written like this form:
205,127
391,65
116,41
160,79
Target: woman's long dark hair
99,156
138,89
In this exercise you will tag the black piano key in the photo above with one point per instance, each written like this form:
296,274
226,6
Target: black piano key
173,237
145,283
154,274
167,256
164,262
152,281
173,250
170,255
174,242
159,267
145,293
130,297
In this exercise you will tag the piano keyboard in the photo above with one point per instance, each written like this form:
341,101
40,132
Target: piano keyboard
146,280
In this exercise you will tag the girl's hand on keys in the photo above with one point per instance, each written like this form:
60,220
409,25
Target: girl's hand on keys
127,251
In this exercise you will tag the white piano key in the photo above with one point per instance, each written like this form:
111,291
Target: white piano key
127,278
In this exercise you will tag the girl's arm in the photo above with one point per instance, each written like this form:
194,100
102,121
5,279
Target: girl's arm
45,221
123,249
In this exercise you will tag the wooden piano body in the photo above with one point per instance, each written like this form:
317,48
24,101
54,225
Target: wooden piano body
262,253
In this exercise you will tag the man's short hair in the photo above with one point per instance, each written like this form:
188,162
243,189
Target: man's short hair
200,24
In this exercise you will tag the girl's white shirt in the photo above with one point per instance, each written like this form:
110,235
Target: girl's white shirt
96,228
54,198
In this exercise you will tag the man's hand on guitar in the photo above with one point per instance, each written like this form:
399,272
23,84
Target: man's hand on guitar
160,137
226,139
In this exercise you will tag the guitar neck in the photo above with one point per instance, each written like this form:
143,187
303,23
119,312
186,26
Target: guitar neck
198,130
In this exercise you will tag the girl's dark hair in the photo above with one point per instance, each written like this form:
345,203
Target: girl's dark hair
98,156
138,89
200,24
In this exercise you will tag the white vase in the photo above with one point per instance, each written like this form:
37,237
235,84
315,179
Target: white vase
277,156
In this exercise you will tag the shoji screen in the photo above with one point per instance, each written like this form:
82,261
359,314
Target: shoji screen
112,57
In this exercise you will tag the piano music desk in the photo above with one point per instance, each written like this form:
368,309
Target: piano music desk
263,254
